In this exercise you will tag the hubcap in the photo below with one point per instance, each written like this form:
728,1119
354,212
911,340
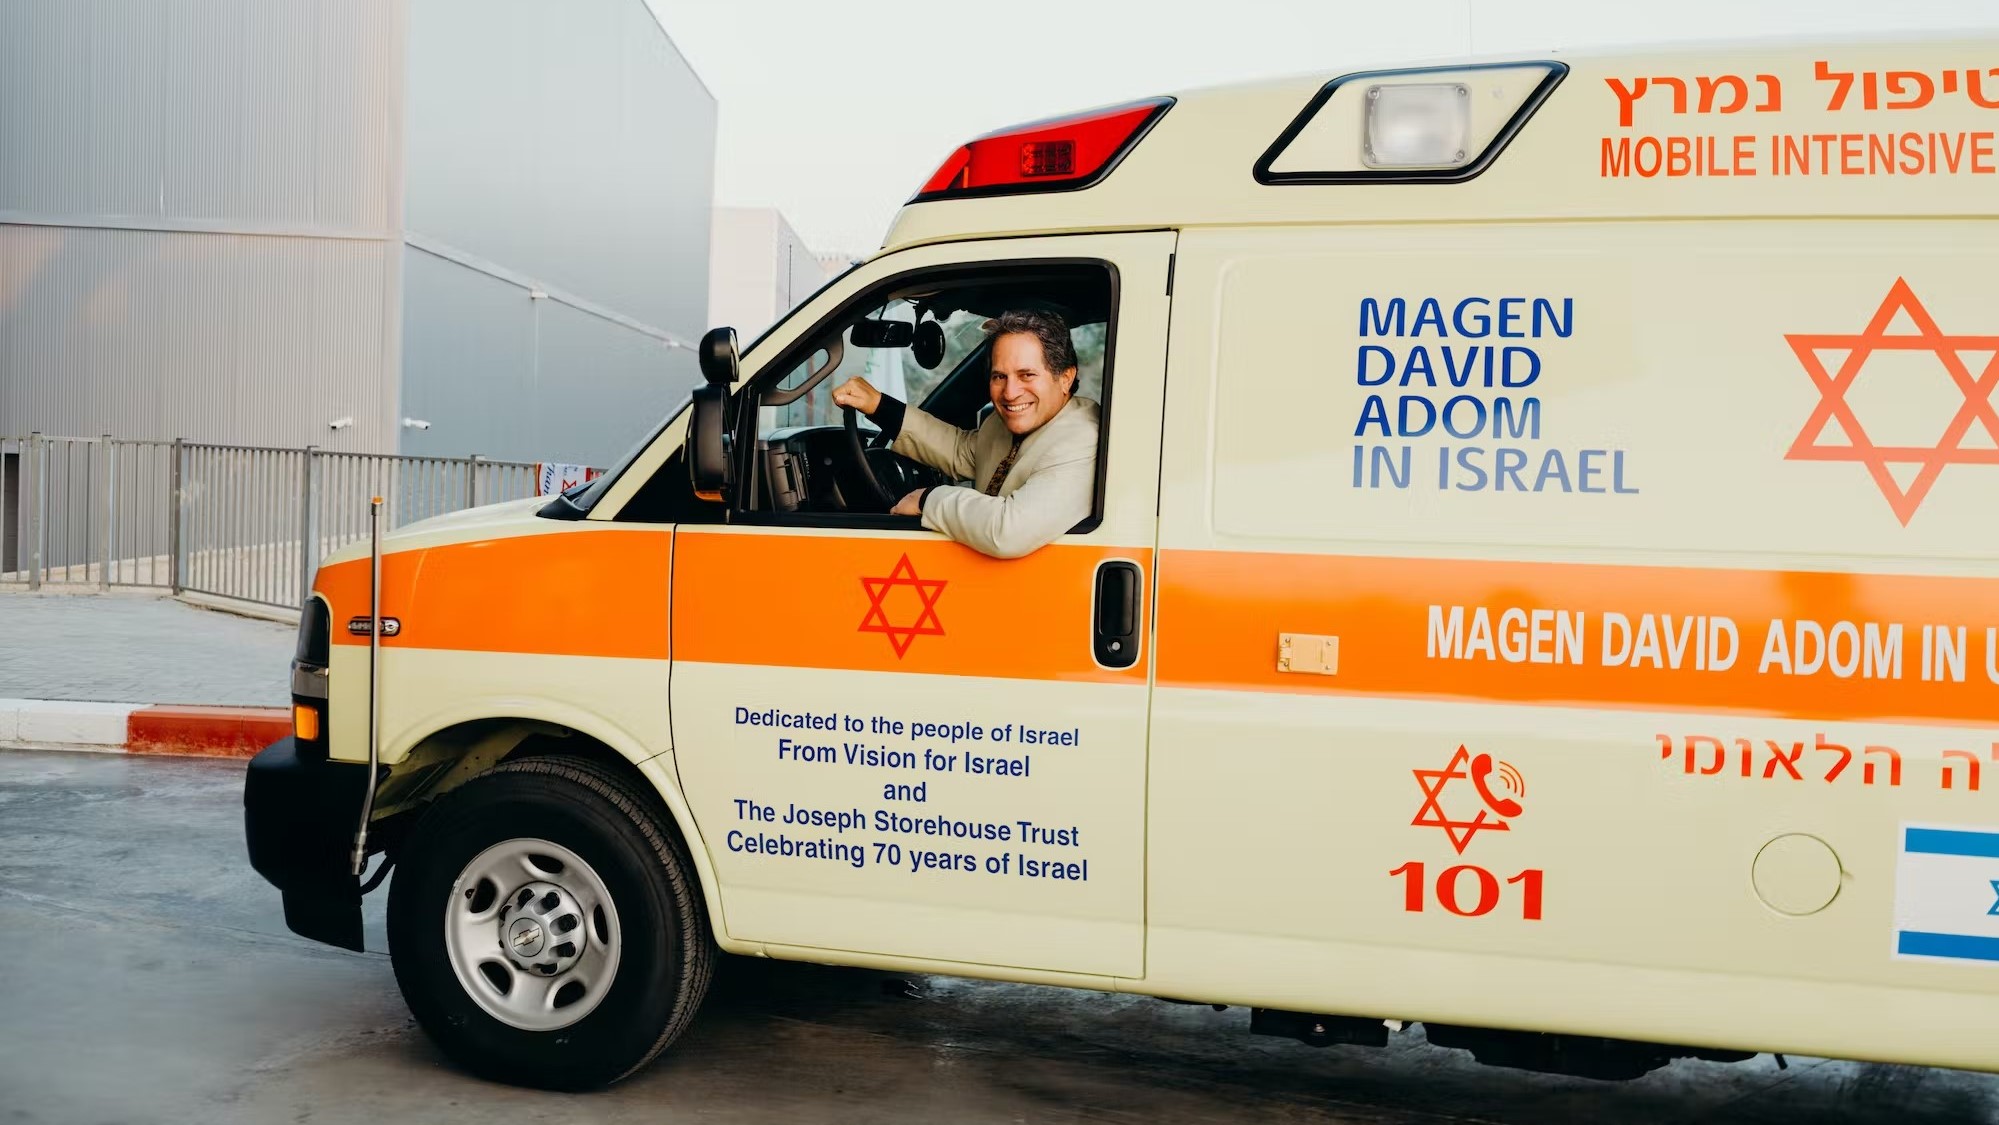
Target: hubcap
543,928
525,939
532,934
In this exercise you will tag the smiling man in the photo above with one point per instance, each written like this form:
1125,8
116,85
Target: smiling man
1031,467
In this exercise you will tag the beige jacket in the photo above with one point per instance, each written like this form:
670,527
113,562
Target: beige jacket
1049,490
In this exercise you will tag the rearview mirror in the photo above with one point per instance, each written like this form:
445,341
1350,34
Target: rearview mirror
883,333
718,356
708,440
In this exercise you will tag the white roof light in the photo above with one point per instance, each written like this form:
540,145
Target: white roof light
1437,124
1417,126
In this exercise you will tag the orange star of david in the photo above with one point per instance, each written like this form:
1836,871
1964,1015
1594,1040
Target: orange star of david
1431,815
1834,407
900,636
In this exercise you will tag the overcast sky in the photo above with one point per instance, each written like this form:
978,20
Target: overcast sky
833,112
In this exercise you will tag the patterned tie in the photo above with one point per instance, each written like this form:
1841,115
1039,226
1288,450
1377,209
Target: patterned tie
1000,470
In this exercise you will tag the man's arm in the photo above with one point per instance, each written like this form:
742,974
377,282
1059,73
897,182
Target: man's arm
928,439
915,434
1053,500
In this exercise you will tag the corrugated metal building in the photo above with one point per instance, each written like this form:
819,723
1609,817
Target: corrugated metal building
244,221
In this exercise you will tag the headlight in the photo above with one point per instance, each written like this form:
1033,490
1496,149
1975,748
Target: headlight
315,634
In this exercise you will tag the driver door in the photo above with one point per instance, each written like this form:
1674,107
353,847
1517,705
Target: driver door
894,745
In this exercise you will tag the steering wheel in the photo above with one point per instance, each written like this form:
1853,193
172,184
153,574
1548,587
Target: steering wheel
858,451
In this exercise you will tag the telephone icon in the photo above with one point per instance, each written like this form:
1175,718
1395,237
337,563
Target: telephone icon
1481,773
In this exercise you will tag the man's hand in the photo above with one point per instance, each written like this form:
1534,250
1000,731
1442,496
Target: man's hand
859,394
910,505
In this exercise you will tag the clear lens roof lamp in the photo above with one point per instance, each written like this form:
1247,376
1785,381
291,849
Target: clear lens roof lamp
1423,125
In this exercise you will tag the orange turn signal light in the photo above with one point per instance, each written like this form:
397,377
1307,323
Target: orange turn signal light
305,722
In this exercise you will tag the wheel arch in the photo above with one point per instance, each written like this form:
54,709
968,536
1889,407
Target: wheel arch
450,753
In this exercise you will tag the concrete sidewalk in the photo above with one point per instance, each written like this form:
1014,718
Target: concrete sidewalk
139,674
134,648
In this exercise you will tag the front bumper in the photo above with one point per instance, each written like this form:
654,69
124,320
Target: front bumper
299,815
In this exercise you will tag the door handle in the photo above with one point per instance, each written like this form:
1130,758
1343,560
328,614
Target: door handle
1114,633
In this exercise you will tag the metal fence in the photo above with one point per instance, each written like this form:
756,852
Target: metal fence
239,522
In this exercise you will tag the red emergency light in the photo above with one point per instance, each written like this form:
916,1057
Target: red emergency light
1059,154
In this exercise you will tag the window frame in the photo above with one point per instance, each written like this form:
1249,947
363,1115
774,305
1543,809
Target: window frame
744,435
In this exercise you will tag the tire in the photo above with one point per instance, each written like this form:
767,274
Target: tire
496,974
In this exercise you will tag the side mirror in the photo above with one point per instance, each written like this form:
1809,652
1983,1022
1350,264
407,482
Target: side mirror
708,436
718,356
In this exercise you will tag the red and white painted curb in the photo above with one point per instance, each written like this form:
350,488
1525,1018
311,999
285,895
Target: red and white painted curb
140,728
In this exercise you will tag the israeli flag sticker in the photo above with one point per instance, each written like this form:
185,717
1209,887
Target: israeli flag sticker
1947,894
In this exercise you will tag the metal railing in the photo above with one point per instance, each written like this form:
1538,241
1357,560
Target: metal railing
241,522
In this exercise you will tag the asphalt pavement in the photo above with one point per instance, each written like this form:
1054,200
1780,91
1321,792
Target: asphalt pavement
148,977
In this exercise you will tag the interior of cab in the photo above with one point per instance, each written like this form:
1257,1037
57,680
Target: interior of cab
920,340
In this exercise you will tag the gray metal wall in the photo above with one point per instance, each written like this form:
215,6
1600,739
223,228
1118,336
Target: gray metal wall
222,338
198,218
565,150
758,270
206,216
501,374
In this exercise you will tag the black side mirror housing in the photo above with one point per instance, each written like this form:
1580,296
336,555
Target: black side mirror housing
708,437
718,356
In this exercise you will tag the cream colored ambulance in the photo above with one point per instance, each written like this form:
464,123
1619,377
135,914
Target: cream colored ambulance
1543,586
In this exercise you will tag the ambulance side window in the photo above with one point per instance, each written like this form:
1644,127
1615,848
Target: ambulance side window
891,370
920,339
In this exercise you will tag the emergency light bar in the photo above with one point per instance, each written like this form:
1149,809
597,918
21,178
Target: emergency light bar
1059,154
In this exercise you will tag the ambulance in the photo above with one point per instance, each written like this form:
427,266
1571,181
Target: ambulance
1542,595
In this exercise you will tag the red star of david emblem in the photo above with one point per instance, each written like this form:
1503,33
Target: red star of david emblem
1949,351
927,591
1464,767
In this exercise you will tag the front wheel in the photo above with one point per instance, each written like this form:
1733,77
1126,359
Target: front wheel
545,927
